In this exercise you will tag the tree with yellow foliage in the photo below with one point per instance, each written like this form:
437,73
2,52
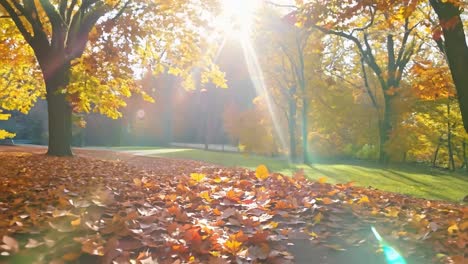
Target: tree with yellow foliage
87,50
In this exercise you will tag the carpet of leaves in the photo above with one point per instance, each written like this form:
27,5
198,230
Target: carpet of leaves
86,210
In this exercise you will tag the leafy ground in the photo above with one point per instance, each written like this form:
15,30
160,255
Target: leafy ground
418,181
90,210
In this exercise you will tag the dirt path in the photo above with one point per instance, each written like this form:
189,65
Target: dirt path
303,249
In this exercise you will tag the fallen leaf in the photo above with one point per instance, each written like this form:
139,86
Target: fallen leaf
262,172
322,180
11,243
197,177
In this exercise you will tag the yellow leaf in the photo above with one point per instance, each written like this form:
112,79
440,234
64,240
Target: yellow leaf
206,195
215,253
261,172
322,180
273,225
4,116
174,71
364,199
76,222
4,134
318,218
392,212
452,229
233,246
217,180
137,182
197,177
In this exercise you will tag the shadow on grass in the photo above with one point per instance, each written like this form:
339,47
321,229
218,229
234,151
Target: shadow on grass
415,180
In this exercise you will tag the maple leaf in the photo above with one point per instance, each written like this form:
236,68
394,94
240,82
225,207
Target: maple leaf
233,246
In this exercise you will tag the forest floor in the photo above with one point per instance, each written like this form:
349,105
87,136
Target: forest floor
104,206
417,180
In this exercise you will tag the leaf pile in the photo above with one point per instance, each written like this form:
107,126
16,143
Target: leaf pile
93,211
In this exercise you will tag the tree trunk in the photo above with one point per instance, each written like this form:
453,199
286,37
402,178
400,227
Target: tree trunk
385,129
456,50
436,153
292,126
60,125
451,164
465,160
305,142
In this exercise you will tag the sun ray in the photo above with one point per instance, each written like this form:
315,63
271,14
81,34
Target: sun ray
257,77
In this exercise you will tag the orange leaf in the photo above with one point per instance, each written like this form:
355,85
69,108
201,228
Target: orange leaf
71,256
233,196
239,236
76,222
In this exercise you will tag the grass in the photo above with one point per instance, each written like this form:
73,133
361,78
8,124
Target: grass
415,180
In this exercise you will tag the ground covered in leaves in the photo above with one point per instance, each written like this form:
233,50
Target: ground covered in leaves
151,210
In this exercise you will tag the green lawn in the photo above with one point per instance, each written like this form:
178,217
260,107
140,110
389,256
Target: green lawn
419,181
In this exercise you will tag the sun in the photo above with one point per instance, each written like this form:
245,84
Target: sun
237,17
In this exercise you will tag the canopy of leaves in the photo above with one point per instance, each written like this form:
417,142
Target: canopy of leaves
108,43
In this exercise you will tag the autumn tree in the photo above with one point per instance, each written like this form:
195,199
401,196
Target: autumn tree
374,28
436,113
253,128
280,74
290,75
85,50
19,82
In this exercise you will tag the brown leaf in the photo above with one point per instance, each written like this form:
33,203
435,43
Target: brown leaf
11,243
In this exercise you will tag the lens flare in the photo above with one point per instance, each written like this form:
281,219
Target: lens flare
391,255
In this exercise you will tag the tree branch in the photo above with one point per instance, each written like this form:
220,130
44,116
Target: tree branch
17,20
68,14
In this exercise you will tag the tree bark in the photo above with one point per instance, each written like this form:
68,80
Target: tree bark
456,50
385,129
292,124
465,160
451,164
305,127
59,113
436,153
